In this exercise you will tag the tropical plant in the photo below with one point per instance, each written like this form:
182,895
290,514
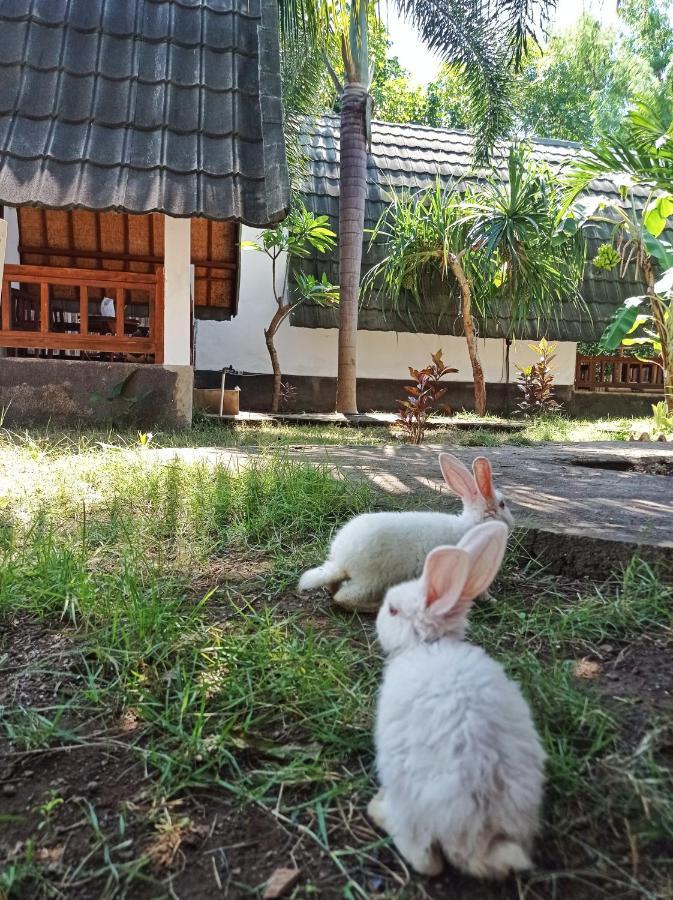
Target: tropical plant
663,420
638,152
536,382
301,232
531,249
423,397
647,321
638,155
504,245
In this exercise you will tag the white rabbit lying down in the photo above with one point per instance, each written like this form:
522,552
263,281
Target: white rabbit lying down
374,551
459,761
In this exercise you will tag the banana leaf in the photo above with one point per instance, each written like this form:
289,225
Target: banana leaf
622,323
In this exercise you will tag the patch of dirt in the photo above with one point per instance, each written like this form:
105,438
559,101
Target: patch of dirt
640,466
636,680
30,654
209,845
234,568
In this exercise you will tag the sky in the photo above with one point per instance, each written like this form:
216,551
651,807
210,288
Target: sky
422,66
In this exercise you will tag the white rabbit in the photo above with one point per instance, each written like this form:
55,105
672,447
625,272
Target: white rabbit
460,764
374,551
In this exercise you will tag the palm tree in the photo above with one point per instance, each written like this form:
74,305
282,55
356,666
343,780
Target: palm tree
485,38
504,244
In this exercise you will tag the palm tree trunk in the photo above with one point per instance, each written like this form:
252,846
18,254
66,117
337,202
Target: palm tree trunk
353,184
470,336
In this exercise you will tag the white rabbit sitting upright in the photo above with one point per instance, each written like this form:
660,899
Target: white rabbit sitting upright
374,551
460,764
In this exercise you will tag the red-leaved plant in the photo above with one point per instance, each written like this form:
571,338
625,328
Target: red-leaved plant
424,397
536,382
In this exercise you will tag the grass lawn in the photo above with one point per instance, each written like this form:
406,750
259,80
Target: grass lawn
176,722
208,433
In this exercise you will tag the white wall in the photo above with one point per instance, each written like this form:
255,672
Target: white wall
313,351
12,252
177,291
3,246
10,239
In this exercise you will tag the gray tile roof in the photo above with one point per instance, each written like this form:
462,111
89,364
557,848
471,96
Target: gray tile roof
410,156
143,105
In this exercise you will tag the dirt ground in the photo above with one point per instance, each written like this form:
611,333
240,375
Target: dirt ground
209,845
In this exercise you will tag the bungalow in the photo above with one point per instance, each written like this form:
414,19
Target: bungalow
412,157
135,139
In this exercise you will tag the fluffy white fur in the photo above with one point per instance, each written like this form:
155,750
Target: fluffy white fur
374,551
460,764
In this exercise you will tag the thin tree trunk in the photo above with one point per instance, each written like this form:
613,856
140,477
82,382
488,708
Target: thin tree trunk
470,336
269,335
353,192
662,331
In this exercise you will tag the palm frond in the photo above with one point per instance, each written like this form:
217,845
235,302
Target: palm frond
639,152
525,21
485,39
303,21
465,37
302,73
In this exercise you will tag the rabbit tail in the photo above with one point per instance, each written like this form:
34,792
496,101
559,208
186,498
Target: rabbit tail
503,857
507,856
329,573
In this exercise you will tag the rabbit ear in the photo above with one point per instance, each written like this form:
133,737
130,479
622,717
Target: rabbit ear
444,575
483,477
485,546
458,477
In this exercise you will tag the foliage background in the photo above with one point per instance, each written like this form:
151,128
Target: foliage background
581,84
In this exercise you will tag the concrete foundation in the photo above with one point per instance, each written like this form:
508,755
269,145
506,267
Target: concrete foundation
592,404
318,394
73,392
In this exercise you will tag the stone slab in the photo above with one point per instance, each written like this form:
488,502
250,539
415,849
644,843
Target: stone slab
583,508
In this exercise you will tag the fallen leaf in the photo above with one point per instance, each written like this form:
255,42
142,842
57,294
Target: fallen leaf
129,720
164,849
281,881
51,855
586,668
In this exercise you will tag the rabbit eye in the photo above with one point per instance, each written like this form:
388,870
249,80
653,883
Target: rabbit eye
502,504
393,610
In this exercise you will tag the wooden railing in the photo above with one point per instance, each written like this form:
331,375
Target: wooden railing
617,373
58,315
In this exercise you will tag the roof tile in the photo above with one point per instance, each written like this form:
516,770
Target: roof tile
411,157
143,105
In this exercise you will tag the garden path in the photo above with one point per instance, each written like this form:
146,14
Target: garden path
603,498
583,508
